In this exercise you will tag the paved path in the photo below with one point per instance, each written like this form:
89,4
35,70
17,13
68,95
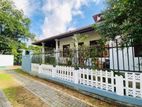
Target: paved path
51,96
3,100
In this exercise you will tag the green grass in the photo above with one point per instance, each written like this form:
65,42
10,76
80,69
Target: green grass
21,71
4,77
6,85
10,93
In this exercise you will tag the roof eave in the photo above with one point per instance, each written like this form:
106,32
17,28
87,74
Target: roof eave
66,34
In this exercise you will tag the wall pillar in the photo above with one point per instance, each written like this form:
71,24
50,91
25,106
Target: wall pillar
76,77
119,85
26,61
43,53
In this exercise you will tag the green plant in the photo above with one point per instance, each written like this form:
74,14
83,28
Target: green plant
14,28
50,60
69,62
119,74
121,18
76,39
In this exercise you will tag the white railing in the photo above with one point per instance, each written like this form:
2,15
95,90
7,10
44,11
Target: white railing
64,73
98,79
133,84
130,84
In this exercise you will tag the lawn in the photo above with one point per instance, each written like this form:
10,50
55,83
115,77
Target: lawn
6,81
17,94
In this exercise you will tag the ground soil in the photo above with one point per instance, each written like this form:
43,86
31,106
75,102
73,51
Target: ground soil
23,98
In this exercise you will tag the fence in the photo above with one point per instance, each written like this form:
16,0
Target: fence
127,84
113,57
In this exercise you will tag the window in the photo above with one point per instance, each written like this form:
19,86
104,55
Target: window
66,50
93,43
81,53
93,49
80,44
98,50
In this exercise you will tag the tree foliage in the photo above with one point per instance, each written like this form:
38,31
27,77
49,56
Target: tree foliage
123,18
14,27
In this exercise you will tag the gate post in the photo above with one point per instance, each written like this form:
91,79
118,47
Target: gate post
26,61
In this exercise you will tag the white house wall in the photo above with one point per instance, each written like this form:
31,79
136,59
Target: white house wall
91,36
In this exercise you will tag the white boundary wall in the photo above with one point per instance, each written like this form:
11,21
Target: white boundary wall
6,60
129,85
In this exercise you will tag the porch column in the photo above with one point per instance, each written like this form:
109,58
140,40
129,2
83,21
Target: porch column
43,53
77,56
76,49
57,51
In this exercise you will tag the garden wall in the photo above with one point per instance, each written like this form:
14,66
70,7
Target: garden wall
125,88
6,60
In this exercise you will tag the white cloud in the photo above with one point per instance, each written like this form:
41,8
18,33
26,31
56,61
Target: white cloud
59,14
27,6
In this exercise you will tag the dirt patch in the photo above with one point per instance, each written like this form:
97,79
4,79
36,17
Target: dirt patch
20,97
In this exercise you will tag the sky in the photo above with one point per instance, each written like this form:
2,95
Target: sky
52,17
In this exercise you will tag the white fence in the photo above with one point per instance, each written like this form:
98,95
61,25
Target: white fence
6,60
128,85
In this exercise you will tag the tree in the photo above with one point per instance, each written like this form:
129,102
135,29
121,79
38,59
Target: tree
14,28
77,38
123,18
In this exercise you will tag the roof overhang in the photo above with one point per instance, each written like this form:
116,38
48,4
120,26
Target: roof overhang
64,35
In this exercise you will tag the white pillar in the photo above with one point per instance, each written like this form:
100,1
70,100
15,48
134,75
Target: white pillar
54,72
57,51
43,53
75,75
119,85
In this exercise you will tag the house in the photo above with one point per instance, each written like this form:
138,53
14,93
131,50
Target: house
65,50
63,43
